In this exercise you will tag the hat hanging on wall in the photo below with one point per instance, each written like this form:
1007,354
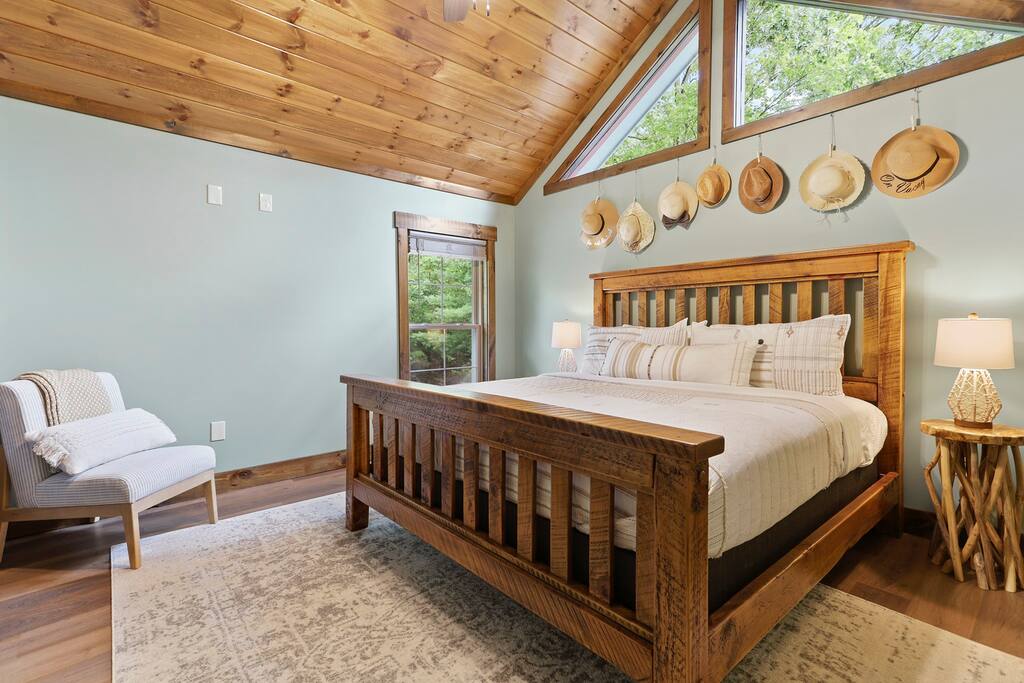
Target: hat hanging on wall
713,185
636,228
677,205
597,223
761,184
832,181
915,161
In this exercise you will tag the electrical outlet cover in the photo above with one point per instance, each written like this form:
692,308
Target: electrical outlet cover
218,431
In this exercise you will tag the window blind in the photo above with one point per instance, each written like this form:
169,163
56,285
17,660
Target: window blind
431,244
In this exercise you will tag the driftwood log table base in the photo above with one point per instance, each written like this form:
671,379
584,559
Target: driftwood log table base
979,504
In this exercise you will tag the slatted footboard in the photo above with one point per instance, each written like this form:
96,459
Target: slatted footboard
400,432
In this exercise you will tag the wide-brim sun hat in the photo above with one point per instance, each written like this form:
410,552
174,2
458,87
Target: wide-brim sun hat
915,161
677,204
635,228
761,184
713,185
832,181
597,223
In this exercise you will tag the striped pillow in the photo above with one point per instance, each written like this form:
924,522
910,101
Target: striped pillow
804,356
712,363
598,339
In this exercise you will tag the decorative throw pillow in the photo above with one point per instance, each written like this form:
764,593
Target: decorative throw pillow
711,363
83,444
762,371
598,339
803,356
674,335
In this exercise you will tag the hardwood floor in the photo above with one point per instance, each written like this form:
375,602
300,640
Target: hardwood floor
55,589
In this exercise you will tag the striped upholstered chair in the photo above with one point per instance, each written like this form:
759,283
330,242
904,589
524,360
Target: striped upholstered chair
120,488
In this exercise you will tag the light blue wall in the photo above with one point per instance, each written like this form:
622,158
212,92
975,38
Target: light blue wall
969,234
111,259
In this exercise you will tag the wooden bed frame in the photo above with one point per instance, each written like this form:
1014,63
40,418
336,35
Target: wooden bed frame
670,635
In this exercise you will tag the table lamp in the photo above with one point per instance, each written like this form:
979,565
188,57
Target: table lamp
975,345
566,335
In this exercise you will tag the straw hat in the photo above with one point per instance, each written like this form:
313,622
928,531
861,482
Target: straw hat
713,185
636,228
832,181
915,161
677,205
761,184
597,223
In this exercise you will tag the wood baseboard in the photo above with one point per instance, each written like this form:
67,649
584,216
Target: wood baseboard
271,472
226,481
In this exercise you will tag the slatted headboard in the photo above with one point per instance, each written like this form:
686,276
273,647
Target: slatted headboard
866,281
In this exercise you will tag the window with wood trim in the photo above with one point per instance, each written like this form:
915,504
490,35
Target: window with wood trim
795,59
445,300
661,113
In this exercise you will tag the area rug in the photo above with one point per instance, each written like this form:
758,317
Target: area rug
287,594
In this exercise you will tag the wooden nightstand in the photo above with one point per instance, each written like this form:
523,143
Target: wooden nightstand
990,506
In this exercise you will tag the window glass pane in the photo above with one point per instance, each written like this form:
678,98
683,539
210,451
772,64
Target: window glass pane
458,350
423,268
426,349
458,271
429,376
660,112
798,54
424,303
460,376
670,121
458,305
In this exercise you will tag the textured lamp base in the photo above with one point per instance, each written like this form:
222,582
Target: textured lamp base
567,361
974,399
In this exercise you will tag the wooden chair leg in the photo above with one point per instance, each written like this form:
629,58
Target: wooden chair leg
210,490
131,536
3,539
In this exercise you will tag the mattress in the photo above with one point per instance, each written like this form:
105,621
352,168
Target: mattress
781,447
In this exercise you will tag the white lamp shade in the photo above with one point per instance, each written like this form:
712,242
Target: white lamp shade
973,342
566,334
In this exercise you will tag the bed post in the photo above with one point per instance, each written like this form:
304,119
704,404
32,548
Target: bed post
891,296
357,513
681,548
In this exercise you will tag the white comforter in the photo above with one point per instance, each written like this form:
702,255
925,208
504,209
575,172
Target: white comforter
781,447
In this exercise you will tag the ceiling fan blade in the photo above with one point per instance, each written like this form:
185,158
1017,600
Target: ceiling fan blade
455,10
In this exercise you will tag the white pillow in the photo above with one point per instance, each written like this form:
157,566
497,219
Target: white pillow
598,339
83,444
711,363
803,356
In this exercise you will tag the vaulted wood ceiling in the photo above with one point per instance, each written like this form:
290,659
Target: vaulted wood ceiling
381,87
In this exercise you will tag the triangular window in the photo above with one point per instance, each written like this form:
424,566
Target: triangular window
660,113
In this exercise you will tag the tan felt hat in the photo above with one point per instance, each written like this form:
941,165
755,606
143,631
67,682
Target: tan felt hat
761,185
636,228
677,204
713,185
832,181
597,223
915,161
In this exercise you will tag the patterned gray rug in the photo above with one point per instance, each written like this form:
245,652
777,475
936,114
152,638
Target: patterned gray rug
286,594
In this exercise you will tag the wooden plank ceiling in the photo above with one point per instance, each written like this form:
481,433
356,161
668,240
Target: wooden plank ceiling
380,87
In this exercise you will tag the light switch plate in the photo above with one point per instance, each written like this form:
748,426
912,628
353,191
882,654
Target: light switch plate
218,430
266,202
214,194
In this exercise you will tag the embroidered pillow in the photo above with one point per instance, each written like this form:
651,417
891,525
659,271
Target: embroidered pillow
598,339
803,356
711,363
762,372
